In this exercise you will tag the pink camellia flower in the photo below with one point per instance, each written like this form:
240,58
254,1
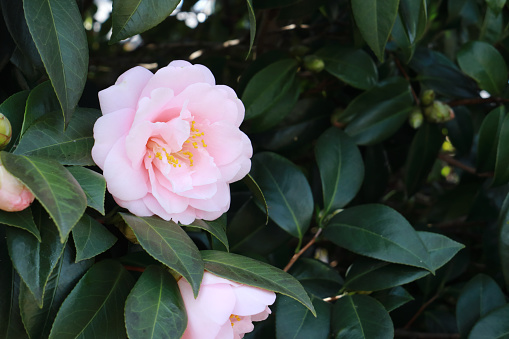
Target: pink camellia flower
14,196
169,143
223,309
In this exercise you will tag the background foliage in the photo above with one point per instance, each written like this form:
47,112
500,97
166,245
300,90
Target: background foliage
389,211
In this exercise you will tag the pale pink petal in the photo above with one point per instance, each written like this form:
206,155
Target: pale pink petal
211,279
136,207
186,217
155,207
154,108
180,63
219,202
243,326
225,143
124,181
240,106
226,331
204,215
175,179
262,315
107,130
252,300
126,91
204,171
169,201
200,192
178,78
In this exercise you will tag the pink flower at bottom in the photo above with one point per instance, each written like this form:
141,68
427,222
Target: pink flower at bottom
223,309
14,196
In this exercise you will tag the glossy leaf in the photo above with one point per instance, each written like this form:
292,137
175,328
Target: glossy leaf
91,238
54,187
379,232
503,239
257,192
215,227
496,5
267,86
484,63
393,298
492,27
38,321
341,168
317,277
492,325
379,112
252,24
489,135
423,153
360,316
501,175
479,297
294,321
14,109
353,66
131,17
414,16
34,260
22,219
168,243
251,272
154,308
95,307
441,248
41,100
286,191
93,184
59,35
375,20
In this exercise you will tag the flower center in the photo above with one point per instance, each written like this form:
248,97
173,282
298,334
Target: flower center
233,318
157,148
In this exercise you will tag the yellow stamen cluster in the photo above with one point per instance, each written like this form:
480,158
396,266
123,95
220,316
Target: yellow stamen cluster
234,317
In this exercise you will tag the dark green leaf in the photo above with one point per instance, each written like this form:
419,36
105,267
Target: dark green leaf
496,5
503,239
44,138
168,243
441,248
54,187
95,307
423,152
401,37
267,86
38,321
91,238
479,297
154,308
57,29
379,232
131,17
484,63
360,316
255,273
293,321
375,19
215,227
353,66
22,219
317,277
414,15
489,135
257,192
252,25
493,325
14,109
341,169
11,326
93,184
379,112
502,160
393,298
41,100
34,260
286,190
492,27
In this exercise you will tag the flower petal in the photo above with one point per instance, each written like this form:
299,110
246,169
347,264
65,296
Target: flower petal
136,207
252,300
220,202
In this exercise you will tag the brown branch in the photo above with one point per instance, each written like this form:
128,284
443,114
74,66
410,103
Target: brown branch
422,335
453,162
304,249
477,101
405,74
134,268
418,313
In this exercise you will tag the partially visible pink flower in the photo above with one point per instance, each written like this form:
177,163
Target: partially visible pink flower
223,309
169,143
14,196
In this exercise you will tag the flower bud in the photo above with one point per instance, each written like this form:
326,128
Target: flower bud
14,196
438,112
415,119
313,63
299,50
5,131
427,97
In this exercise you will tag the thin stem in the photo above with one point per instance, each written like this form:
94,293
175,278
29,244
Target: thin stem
405,74
304,249
451,161
134,268
418,313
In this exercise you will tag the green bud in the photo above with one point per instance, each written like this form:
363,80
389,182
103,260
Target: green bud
427,97
438,112
299,50
5,131
313,63
415,119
